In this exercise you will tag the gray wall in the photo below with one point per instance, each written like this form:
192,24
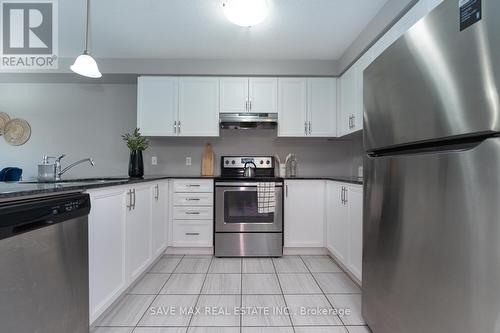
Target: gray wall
80,120
386,17
84,120
316,157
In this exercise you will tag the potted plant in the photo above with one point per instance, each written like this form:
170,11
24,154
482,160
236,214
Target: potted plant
137,144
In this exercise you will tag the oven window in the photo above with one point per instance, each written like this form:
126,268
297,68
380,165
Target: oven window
241,207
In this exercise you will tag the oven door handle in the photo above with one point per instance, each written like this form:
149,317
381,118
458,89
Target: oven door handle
243,184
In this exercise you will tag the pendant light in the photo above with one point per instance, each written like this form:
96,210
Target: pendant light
85,65
245,13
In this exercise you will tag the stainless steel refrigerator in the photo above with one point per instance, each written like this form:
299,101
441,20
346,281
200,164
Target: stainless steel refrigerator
431,258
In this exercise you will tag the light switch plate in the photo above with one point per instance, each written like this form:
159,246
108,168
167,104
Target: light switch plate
188,160
154,160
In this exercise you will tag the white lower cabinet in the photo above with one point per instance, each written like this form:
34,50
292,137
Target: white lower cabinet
107,278
337,237
355,204
192,212
127,232
138,231
159,218
304,220
345,225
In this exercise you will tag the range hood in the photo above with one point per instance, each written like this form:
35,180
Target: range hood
248,120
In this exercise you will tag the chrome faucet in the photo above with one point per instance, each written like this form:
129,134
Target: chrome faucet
59,172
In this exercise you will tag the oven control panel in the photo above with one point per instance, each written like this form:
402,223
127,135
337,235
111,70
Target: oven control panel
239,162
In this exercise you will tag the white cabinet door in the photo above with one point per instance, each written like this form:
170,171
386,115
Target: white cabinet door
347,101
107,279
263,95
157,105
322,107
337,222
198,106
304,220
159,195
233,94
292,107
355,204
138,231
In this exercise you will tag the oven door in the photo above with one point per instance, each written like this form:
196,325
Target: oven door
236,209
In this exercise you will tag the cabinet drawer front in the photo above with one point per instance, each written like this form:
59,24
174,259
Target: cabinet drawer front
193,199
193,213
193,233
193,185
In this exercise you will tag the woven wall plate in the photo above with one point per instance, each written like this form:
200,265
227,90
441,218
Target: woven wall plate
17,132
4,119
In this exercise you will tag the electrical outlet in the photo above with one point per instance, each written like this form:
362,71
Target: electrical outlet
154,160
188,160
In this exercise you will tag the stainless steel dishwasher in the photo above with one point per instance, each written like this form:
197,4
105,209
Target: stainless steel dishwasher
44,265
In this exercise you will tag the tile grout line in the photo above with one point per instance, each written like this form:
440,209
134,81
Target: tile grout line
283,295
324,295
156,296
198,298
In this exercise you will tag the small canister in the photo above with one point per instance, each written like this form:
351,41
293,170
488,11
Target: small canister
46,170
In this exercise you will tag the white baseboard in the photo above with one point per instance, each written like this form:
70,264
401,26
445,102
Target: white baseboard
305,251
344,268
190,250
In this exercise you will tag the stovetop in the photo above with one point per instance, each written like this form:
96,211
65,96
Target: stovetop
234,167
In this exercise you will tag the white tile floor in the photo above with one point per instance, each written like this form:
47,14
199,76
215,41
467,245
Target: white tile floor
239,296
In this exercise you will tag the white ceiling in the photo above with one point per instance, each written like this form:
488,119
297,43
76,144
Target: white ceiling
197,29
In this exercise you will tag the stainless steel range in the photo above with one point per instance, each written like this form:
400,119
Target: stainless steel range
242,227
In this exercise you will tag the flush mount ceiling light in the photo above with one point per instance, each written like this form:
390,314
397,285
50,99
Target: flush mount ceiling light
245,13
85,65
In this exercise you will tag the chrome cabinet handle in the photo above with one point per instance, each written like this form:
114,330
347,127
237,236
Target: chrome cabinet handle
345,195
175,127
192,233
310,130
192,199
342,195
353,121
179,127
133,205
193,185
157,192
305,127
192,213
246,105
250,105
129,206
286,190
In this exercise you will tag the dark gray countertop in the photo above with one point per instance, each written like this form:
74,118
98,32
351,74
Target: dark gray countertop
343,179
10,190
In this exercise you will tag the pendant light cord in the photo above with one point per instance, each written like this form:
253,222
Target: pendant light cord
87,28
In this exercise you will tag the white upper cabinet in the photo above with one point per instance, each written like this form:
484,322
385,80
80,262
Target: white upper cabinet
263,95
233,94
347,101
322,107
198,106
157,105
243,94
292,107
307,107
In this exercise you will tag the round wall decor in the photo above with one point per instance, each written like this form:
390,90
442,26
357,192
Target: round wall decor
4,119
17,132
